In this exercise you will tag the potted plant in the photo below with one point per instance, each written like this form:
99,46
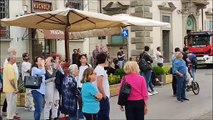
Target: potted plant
113,81
120,72
167,74
163,74
21,95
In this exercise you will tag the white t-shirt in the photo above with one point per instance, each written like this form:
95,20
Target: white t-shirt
159,59
24,68
15,68
80,75
105,83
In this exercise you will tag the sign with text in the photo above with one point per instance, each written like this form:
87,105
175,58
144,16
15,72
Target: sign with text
39,6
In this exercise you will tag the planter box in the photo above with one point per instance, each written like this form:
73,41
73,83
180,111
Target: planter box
114,90
20,99
165,79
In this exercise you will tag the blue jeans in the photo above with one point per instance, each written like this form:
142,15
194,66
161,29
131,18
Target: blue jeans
71,117
192,72
181,86
103,113
80,114
121,64
147,75
38,99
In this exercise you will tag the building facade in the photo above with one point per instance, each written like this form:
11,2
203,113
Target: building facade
183,15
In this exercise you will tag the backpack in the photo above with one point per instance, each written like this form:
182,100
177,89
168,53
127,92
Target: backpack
143,64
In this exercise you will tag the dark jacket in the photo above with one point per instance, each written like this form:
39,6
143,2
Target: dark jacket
70,94
58,81
147,57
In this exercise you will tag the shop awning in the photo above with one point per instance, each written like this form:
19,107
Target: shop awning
58,34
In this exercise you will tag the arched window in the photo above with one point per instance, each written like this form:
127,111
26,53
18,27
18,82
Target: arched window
191,23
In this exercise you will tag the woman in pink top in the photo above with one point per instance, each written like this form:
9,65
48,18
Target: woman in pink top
136,106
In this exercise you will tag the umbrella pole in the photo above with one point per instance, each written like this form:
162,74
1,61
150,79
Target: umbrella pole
67,51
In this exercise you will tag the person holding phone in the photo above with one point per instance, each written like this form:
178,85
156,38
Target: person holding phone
38,70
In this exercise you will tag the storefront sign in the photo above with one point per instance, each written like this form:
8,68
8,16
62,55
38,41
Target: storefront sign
39,6
53,34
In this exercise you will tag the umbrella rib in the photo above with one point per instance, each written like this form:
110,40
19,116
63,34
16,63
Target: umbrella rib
83,17
54,22
59,20
46,18
79,20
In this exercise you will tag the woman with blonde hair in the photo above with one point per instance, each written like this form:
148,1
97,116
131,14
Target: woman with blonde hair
137,103
90,95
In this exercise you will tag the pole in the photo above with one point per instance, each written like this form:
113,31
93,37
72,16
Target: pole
66,39
66,42
202,17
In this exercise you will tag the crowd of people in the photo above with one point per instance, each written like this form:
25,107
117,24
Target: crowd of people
82,90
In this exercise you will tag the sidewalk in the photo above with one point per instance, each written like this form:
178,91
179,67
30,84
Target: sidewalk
206,116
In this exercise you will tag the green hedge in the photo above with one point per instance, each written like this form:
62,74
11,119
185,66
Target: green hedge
165,70
114,79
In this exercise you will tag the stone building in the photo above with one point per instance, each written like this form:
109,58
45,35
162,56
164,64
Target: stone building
183,15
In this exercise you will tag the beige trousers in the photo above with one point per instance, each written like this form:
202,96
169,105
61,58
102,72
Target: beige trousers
11,104
28,99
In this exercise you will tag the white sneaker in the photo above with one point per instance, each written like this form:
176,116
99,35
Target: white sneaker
154,92
26,108
150,94
32,109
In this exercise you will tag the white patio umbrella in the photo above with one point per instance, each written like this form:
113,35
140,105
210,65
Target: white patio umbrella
137,21
77,21
67,20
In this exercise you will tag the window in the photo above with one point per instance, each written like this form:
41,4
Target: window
210,25
77,4
4,13
117,39
166,19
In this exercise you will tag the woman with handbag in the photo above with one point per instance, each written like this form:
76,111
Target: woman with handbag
136,105
38,70
52,94
90,95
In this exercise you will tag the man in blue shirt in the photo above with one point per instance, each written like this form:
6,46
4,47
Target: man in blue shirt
179,68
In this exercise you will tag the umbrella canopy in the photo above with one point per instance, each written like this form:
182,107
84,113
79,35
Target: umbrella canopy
67,20
76,20
73,20
137,21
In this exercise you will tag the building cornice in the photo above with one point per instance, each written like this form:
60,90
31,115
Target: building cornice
167,6
111,6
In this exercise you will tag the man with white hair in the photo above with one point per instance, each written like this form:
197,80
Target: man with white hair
179,69
10,86
11,50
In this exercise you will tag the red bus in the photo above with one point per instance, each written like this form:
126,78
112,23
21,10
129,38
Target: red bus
201,44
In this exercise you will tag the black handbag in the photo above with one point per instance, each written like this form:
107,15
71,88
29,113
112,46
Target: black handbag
144,65
32,82
124,93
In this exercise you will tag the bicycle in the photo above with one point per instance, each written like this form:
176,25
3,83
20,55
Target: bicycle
193,86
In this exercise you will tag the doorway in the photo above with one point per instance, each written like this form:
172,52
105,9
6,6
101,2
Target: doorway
166,43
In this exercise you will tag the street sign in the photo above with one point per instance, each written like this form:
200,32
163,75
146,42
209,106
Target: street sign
125,33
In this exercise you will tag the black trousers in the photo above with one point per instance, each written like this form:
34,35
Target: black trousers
90,116
134,110
174,84
4,108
